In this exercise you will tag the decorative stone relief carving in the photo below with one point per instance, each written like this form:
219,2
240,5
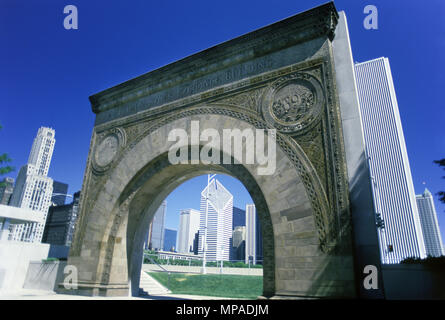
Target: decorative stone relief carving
250,100
293,103
110,143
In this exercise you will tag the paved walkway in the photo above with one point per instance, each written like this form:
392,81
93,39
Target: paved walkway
28,294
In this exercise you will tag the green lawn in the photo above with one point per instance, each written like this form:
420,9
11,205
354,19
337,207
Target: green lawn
231,286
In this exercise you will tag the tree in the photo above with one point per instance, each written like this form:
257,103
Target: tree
441,194
4,160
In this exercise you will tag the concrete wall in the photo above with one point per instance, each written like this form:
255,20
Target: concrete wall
44,275
14,261
413,282
210,270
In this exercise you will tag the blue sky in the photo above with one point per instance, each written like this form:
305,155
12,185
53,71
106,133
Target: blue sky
47,72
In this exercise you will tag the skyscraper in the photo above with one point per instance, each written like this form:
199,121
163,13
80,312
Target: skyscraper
239,218
188,227
170,239
60,190
430,225
254,237
33,189
219,221
196,243
61,223
42,151
155,236
239,243
400,234
6,190
251,233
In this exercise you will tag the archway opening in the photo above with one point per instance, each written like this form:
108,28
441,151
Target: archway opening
156,181
298,253
216,210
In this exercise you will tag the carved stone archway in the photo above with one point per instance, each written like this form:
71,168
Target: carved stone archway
279,77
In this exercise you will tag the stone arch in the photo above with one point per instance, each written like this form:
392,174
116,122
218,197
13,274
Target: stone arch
238,84
143,177
291,149
135,230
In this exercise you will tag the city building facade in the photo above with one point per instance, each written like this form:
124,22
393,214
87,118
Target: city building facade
170,240
239,218
42,150
61,222
60,192
239,243
33,189
250,233
397,218
218,221
430,225
155,236
254,239
188,227
6,190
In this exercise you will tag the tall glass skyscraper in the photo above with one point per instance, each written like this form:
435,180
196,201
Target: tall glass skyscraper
219,222
400,234
430,225
60,191
239,218
33,189
170,239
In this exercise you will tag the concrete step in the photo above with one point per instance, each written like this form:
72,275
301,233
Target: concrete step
149,286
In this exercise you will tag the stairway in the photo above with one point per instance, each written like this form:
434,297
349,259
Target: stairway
149,286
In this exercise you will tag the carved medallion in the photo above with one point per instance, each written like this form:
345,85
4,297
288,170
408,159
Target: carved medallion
107,149
293,103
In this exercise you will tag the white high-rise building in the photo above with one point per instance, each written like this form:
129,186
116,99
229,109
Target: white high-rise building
251,224
430,225
42,150
188,227
400,235
219,222
33,189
